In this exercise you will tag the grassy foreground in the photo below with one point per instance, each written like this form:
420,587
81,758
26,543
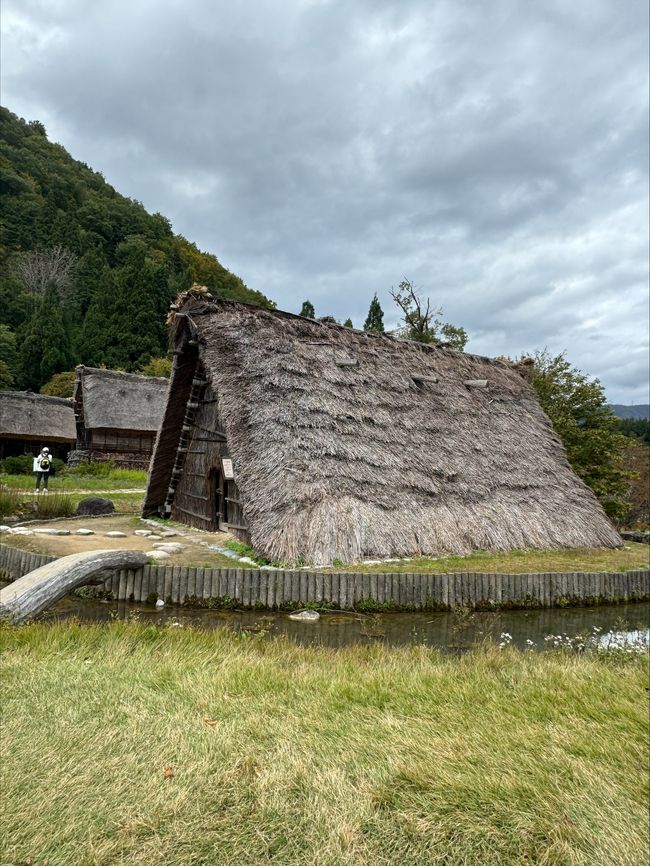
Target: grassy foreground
132,744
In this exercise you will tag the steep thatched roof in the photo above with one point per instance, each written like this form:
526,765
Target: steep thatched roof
24,415
119,401
347,444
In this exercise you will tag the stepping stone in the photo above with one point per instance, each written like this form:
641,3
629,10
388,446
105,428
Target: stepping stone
170,546
168,533
5,528
21,531
143,533
153,538
116,534
84,532
50,531
157,554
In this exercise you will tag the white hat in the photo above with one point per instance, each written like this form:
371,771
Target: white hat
45,450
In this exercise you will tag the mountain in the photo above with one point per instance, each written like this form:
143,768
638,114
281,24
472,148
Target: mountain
642,411
86,274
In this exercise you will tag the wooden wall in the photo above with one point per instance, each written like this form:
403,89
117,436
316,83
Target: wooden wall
130,449
196,500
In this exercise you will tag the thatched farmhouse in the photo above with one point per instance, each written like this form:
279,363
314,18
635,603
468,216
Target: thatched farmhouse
118,415
316,442
28,422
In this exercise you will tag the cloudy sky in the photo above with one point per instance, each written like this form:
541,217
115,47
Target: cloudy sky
495,152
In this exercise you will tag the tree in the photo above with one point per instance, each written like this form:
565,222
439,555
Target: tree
124,326
375,319
8,358
636,462
348,323
38,269
61,384
423,324
45,348
308,310
157,367
586,425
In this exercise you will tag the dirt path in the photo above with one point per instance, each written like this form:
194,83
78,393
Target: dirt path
195,552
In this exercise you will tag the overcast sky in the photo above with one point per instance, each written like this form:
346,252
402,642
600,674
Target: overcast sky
495,152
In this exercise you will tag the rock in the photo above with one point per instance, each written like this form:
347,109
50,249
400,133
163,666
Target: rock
4,528
170,546
160,603
168,533
95,505
157,554
143,533
20,531
153,538
84,532
51,531
305,616
115,534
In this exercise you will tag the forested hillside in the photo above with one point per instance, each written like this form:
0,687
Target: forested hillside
86,275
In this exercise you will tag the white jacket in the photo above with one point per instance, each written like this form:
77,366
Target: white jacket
37,463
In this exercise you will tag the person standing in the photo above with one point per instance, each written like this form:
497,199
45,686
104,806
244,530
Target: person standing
42,465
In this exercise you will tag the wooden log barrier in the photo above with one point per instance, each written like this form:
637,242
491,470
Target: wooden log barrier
39,589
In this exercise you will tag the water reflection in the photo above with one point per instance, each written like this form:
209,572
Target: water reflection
455,632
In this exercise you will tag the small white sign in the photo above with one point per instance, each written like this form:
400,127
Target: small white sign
226,465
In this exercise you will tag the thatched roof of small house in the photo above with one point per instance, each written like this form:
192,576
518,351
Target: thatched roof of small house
24,415
119,401
348,444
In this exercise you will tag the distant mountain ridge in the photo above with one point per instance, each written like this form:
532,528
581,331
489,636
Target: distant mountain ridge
635,412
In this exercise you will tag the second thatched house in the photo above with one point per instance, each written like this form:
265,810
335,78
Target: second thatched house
314,442
118,415
28,422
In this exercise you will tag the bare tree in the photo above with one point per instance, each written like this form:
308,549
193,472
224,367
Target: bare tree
38,268
423,324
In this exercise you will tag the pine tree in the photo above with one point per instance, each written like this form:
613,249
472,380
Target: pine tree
348,323
124,326
45,348
308,310
375,320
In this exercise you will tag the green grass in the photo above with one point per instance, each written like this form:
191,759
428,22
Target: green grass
71,480
9,501
629,557
292,755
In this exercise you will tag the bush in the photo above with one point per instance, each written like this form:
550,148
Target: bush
94,470
57,466
21,465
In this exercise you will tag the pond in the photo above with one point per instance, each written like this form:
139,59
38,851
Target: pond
453,632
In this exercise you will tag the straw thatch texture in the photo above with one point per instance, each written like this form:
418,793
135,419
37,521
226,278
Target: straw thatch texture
348,444
120,401
24,415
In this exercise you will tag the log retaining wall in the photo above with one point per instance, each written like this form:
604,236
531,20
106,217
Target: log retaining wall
266,589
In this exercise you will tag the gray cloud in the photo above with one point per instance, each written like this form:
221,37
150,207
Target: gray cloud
494,153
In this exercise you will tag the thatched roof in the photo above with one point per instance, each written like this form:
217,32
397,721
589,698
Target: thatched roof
119,401
24,415
347,444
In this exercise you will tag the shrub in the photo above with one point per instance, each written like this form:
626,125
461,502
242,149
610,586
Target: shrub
20,465
94,470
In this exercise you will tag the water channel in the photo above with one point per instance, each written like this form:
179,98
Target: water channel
453,632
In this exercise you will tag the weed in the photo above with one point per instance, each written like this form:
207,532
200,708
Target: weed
54,505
